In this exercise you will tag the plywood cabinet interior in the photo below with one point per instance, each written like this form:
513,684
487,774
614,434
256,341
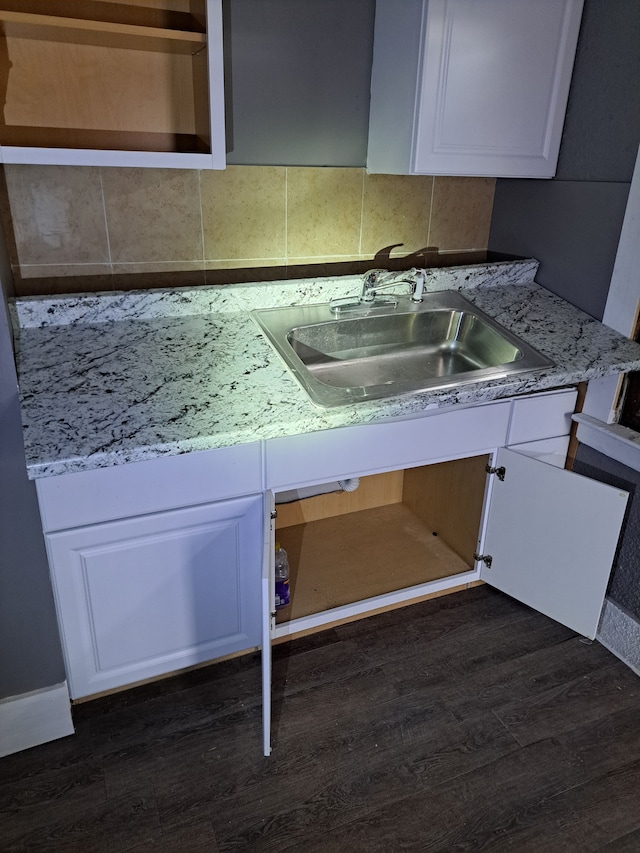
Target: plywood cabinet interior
398,530
100,82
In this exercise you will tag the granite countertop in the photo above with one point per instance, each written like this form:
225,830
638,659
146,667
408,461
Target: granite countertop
112,378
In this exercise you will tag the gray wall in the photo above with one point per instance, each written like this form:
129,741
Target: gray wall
30,654
297,80
572,223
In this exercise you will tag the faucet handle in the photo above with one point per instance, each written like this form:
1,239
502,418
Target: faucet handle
370,281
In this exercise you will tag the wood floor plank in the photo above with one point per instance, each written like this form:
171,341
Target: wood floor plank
569,705
193,838
468,813
92,827
629,843
520,677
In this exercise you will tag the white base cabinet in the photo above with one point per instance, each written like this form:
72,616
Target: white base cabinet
164,564
471,88
156,565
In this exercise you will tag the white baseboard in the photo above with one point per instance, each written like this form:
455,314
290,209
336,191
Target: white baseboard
619,632
34,718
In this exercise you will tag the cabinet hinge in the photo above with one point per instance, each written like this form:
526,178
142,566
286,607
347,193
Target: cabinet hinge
499,472
487,559
274,513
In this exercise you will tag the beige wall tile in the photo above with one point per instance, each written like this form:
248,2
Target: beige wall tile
153,215
57,213
324,208
244,212
396,210
461,213
57,270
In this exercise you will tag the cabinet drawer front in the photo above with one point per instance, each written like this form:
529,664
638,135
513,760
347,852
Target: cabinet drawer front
352,451
542,416
89,497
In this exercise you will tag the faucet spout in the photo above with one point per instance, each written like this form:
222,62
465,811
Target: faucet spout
373,282
376,280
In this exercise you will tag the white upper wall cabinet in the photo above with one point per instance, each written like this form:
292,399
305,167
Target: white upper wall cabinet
471,87
103,83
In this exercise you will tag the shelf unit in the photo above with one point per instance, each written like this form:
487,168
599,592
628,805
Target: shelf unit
138,83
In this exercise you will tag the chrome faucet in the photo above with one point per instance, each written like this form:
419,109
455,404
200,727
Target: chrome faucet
376,280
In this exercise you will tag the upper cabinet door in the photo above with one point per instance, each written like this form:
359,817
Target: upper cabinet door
133,83
552,537
471,87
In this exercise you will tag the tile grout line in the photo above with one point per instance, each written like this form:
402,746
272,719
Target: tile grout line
286,216
433,186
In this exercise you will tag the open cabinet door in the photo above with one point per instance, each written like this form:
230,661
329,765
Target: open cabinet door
552,537
268,619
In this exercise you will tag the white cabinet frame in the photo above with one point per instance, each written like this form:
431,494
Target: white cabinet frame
212,55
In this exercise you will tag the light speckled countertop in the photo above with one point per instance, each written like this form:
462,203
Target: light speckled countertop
112,378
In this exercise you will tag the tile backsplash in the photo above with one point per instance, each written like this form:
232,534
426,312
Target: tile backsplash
68,223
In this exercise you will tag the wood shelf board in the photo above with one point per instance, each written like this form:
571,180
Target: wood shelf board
101,140
54,85
24,25
154,15
344,559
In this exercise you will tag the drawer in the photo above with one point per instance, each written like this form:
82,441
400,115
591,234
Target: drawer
321,457
542,416
122,491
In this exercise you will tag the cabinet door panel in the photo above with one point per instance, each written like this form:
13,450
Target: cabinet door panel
552,536
471,88
495,84
145,596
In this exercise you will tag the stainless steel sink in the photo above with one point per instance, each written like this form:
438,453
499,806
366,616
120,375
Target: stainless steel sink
442,342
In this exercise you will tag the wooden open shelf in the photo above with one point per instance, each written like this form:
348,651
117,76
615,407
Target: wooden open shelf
104,25
109,76
395,531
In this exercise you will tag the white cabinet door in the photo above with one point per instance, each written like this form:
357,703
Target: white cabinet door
484,91
552,537
144,596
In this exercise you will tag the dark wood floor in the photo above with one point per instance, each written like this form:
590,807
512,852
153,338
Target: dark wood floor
467,723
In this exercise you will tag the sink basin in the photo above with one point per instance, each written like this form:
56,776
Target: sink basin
439,343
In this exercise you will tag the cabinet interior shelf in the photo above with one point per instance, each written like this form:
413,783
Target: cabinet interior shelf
104,140
104,25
